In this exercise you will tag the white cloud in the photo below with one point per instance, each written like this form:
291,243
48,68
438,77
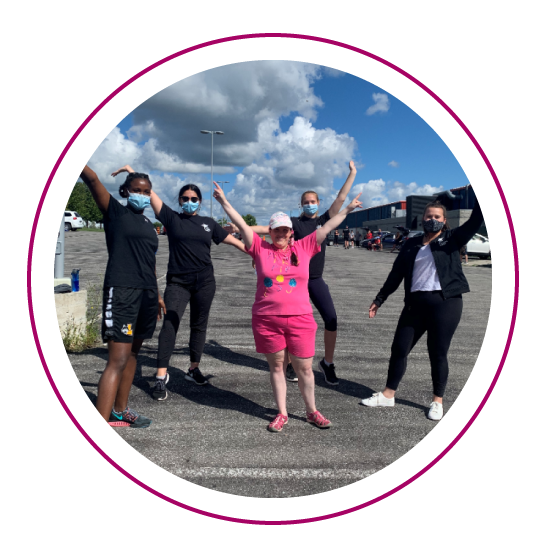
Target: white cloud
382,104
246,101
394,164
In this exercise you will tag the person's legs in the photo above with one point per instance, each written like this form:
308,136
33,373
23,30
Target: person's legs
127,377
306,383
410,329
320,296
176,299
443,318
200,304
109,383
277,364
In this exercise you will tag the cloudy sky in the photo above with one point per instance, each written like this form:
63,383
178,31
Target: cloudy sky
288,127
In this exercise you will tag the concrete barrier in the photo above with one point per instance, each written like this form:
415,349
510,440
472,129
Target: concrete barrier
71,308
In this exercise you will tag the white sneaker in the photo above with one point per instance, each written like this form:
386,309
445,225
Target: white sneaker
378,400
436,411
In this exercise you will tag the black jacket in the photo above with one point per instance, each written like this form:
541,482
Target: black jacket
445,251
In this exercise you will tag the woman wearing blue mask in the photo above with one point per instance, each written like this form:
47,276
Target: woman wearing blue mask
309,221
131,303
190,279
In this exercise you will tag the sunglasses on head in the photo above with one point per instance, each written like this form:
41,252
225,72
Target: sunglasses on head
187,199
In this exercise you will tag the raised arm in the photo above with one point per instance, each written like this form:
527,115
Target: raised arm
98,191
466,231
345,189
246,232
336,220
155,200
259,229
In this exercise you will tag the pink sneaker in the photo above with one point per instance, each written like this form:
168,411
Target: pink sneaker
278,422
318,420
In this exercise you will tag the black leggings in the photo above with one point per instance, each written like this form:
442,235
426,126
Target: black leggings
425,311
322,299
198,289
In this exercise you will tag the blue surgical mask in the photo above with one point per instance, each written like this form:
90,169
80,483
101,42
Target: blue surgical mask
190,207
310,208
138,202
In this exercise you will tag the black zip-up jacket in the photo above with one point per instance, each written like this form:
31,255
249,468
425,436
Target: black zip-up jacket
445,251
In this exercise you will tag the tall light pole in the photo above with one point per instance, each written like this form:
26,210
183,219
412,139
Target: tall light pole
223,182
211,132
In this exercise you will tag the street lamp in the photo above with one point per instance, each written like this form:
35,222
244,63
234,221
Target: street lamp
211,132
223,182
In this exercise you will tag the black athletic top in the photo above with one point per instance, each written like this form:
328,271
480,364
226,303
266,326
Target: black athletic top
304,226
346,234
131,240
189,240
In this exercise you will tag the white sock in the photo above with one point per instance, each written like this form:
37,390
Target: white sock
161,377
326,362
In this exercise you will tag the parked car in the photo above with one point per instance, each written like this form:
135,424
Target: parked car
479,246
72,221
364,242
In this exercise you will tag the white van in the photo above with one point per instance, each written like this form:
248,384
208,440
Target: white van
72,221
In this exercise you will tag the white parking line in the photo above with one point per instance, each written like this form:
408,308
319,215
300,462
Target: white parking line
259,473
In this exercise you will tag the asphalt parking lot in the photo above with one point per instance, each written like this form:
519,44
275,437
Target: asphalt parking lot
216,436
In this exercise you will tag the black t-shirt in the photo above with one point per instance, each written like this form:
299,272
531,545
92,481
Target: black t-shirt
304,226
346,234
131,240
190,239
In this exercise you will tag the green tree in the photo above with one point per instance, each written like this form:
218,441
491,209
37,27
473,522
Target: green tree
82,201
222,221
250,220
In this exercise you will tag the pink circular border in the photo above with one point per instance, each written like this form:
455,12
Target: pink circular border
308,38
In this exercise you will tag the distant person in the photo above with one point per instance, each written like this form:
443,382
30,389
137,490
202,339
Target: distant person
282,317
336,238
463,254
352,238
380,240
346,236
358,238
397,242
434,282
131,301
304,225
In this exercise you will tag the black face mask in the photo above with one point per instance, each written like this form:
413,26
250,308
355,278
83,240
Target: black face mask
433,226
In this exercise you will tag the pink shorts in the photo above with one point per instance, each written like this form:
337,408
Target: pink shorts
276,333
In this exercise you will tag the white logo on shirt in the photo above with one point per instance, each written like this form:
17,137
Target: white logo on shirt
206,227
319,227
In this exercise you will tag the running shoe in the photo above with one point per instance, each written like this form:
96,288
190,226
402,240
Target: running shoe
291,373
317,419
378,400
196,377
436,411
160,393
278,422
329,373
134,419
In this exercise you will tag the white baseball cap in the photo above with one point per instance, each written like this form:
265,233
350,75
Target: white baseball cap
280,219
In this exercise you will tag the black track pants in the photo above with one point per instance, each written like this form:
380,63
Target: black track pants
425,312
198,289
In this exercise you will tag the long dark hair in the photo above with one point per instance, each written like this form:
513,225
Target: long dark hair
124,188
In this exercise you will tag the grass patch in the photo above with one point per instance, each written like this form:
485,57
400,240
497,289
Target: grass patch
78,337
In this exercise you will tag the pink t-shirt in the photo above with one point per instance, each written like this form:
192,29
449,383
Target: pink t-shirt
282,288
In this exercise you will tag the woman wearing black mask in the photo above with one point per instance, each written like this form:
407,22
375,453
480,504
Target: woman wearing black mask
190,279
434,282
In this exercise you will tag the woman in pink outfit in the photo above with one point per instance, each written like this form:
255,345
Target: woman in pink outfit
282,317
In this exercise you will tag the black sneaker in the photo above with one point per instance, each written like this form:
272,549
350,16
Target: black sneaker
329,373
160,393
290,373
134,419
196,376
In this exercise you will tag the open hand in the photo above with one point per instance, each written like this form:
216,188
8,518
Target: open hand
218,194
373,310
354,204
352,167
231,228
126,168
